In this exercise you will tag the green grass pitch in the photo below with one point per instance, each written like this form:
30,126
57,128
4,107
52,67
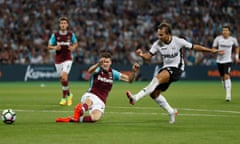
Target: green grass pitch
204,116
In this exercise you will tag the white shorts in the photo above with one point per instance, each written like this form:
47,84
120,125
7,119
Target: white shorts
98,104
63,67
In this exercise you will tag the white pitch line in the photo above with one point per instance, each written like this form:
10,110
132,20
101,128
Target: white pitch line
208,110
199,115
128,107
126,113
185,109
43,111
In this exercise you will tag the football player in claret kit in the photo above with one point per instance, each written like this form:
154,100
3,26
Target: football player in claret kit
169,47
63,42
226,42
95,99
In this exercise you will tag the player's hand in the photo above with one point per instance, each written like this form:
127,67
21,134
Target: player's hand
101,61
71,48
135,67
57,47
221,52
139,52
236,58
236,61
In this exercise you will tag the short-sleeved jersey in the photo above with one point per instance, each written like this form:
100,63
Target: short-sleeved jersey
64,40
101,82
225,44
171,53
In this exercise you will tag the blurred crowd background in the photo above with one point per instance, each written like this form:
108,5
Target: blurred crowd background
120,26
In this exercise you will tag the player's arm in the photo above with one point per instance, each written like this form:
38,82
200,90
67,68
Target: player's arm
54,47
236,54
73,46
145,56
52,43
205,49
129,78
95,66
75,43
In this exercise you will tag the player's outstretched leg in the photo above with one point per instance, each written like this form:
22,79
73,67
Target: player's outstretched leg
77,112
130,97
63,119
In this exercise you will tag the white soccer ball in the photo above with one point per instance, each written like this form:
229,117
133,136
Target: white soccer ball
8,116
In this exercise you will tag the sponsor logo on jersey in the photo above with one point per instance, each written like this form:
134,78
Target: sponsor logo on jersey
103,79
64,43
170,55
225,46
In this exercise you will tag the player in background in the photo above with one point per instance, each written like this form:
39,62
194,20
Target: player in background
169,47
226,42
63,42
95,99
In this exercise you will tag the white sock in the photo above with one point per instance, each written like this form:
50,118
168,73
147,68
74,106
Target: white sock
81,119
164,104
147,90
228,86
65,87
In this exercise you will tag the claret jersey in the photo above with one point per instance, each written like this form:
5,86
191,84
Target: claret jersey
101,82
171,53
64,40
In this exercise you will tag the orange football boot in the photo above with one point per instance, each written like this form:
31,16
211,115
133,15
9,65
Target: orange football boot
77,112
65,119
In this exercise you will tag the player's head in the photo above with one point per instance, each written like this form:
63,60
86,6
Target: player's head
107,60
63,23
164,32
226,31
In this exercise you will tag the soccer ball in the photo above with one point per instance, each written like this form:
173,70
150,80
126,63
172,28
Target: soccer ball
8,116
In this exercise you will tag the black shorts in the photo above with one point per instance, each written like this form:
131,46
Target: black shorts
175,75
224,68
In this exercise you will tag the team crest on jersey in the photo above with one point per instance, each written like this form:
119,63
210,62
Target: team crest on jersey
69,38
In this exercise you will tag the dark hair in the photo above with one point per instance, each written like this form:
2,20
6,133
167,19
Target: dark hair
165,26
227,26
106,54
63,18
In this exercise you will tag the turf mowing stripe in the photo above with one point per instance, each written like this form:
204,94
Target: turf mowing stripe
134,107
130,113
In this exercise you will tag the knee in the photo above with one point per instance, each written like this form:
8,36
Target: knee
155,94
64,77
226,76
95,118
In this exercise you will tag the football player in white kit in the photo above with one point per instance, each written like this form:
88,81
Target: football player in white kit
226,43
169,47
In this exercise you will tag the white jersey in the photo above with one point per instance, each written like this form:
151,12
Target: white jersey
225,44
171,53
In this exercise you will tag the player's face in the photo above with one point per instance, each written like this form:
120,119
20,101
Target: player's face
106,64
63,25
163,36
225,32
